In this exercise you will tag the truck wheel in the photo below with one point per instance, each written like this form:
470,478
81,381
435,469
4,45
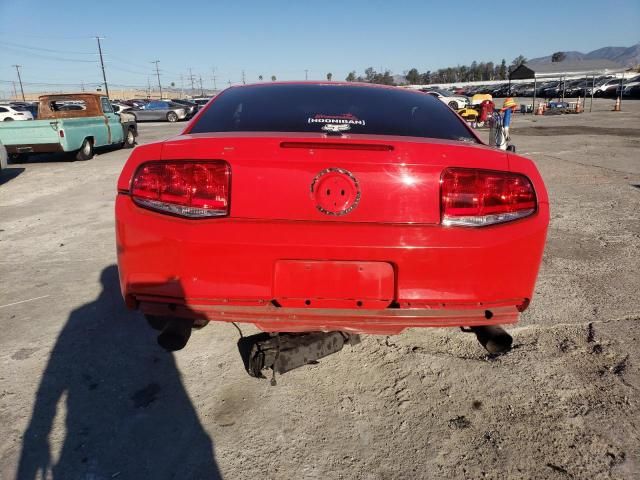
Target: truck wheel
86,150
129,139
172,117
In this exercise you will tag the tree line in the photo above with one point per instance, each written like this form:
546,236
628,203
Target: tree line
476,72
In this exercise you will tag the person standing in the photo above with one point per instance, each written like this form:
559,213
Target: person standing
508,107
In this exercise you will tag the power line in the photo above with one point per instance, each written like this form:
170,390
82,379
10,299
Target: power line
28,47
19,80
47,57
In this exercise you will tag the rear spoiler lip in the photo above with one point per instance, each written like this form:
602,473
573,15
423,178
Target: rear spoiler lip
367,139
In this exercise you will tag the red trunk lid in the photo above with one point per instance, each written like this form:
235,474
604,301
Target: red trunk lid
359,178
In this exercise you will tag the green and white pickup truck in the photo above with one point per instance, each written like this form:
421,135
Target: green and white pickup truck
70,123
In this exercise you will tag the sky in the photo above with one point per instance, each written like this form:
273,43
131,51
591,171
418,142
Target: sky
54,41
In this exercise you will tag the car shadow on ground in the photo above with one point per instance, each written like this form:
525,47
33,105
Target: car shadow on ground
9,174
127,412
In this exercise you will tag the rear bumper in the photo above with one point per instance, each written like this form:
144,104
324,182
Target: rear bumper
35,148
270,318
224,269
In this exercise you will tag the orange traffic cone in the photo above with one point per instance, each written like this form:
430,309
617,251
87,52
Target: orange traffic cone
578,106
540,110
616,107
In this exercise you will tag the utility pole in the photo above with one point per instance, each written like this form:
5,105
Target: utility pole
201,90
243,80
191,78
148,87
19,80
306,74
104,75
181,86
213,77
81,85
158,75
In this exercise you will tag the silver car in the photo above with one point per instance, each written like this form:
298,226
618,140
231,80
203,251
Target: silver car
160,110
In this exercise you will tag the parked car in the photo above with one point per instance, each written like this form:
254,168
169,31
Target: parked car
502,91
608,88
577,88
522,90
629,82
9,113
137,103
120,107
160,110
201,101
191,107
61,127
456,102
328,207
632,91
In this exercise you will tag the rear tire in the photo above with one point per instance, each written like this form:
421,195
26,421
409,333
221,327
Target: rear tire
8,119
172,117
453,105
86,150
129,139
156,322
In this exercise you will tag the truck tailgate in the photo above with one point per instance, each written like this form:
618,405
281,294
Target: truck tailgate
25,133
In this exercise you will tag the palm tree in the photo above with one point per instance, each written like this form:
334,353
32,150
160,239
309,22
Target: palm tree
273,78
329,76
260,77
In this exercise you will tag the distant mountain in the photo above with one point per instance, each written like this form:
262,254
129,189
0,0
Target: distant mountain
570,56
626,56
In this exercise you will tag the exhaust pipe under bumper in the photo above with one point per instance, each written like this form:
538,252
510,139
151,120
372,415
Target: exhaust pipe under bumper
175,334
286,351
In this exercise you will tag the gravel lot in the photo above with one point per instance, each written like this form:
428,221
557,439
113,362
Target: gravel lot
85,393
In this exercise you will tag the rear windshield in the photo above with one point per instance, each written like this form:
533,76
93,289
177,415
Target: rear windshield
331,109
66,105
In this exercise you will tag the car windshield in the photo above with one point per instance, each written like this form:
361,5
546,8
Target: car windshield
332,108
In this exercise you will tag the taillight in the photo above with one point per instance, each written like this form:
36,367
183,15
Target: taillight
475,198
188,189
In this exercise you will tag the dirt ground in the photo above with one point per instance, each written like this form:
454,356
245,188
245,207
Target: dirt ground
85,393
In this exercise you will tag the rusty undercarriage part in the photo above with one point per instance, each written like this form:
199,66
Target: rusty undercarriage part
493,338
285,351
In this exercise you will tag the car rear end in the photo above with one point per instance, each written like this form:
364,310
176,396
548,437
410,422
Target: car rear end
19,112
329,207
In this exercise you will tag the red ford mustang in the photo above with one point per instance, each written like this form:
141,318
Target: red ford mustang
324,207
